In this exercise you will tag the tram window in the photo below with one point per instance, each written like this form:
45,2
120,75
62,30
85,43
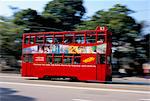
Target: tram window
49,58
68,59
58,38
68,38
57,58
101,37
90,38
79,38
26,41
25,58
102,58
39,39
32,39
77,59
28,58
48,38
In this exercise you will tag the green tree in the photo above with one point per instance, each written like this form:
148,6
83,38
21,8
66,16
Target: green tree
58,15
10,41
67,13
141,53
29,19
117,19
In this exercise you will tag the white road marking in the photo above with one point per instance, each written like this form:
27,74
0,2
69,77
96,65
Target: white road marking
80,100
15,77
144,99
11,76
81,88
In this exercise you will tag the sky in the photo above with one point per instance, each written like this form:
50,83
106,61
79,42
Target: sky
141,7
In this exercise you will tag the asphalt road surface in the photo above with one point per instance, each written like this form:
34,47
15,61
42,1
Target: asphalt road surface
15,88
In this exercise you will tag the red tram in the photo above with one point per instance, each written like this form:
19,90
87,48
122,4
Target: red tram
84,55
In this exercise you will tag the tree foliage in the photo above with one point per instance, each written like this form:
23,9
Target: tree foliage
117,19
29,19
58,15
66,12
9,38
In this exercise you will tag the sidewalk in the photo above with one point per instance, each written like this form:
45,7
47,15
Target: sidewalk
132,80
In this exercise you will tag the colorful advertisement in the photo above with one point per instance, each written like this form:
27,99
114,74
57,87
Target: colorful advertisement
101,48
90,59
59,48
32,49
86,59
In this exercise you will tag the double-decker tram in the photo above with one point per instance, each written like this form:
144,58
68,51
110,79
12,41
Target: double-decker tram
84,55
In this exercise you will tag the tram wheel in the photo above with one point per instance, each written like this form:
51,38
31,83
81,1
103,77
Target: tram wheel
109,78
74,79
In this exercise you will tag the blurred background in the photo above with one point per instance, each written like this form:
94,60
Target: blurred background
128,20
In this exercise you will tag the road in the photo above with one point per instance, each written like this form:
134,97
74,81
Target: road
15,88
